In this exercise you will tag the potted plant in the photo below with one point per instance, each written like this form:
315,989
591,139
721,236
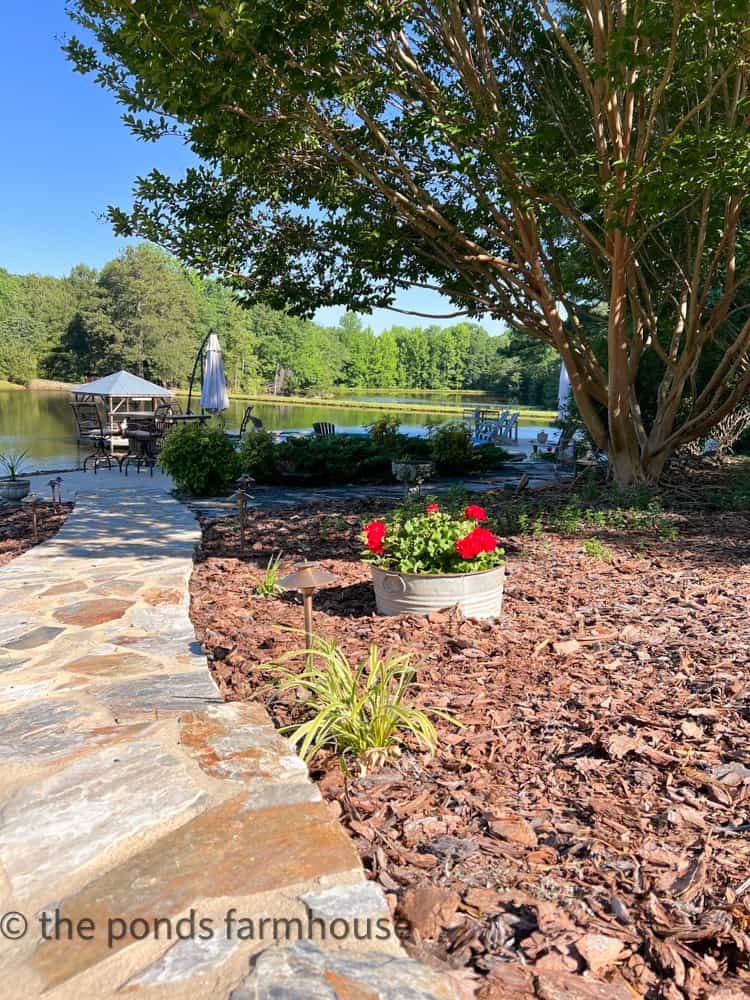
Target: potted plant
430,559
11,486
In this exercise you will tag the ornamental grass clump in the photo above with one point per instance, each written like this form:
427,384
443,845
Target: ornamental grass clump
359,711
269,585
433,541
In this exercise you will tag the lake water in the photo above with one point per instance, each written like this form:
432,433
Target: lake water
41,422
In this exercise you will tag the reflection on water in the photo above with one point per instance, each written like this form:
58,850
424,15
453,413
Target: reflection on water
41,423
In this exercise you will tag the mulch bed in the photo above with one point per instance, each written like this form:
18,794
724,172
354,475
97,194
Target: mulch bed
17,530
587,833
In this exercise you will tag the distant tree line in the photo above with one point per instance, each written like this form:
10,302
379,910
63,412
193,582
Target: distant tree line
146,313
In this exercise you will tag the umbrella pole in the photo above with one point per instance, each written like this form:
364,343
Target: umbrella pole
198,361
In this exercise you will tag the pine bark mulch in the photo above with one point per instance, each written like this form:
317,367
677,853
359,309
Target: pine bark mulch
16,527
586,833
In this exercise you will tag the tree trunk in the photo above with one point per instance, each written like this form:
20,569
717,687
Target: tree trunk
626,469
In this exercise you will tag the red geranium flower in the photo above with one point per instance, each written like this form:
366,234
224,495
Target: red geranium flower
477,541
465,547
432,508
375,532
484,539
475,513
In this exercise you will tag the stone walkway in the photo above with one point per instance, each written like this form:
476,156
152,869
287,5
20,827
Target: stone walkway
150,834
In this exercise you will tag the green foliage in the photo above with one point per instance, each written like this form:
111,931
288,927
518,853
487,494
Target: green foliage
384,428
200,458
595,549
258,456
17,361
342,458
452,449
569,519
592,149
488,457
646,515
269,586
361,712
737,495
353,458
12,462
144,311
421,541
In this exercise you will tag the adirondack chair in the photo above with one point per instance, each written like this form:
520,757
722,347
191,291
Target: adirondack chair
487,429
324,429
510,431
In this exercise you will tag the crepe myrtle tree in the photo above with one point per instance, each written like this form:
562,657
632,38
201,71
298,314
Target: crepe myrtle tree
579,170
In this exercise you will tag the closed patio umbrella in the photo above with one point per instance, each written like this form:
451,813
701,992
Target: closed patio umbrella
563,392
214,395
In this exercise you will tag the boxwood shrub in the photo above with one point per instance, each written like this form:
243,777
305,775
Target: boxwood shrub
200,458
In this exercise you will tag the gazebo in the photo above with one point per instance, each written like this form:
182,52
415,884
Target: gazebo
123,395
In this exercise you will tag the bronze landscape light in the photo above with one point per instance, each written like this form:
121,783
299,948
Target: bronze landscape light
307,578
241,497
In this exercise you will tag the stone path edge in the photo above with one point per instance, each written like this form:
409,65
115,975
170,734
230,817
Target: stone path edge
130,791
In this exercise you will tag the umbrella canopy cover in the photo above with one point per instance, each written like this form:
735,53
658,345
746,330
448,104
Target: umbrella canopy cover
214,395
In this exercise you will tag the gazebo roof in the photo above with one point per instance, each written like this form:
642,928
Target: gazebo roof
122,384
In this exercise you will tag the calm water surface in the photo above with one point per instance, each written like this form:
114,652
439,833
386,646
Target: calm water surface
41,422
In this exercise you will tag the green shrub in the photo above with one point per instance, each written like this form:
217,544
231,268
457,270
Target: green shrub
360,458
258,455
452,448
488,457
200,458
342,458
384,428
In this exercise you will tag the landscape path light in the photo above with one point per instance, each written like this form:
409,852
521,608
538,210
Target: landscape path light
32,500
55,486
242,496
307,578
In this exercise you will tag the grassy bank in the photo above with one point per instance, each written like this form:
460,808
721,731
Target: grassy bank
342,403
442,409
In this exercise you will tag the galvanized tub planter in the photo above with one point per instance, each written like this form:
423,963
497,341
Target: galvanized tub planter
478,595
14,489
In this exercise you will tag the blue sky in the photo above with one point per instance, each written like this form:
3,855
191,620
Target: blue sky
66,156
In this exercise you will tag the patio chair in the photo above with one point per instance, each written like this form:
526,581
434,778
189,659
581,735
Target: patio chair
89,428
324,429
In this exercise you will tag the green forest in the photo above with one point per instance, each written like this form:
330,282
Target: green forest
145,312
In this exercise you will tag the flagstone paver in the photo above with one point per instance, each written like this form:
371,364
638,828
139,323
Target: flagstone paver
156,839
